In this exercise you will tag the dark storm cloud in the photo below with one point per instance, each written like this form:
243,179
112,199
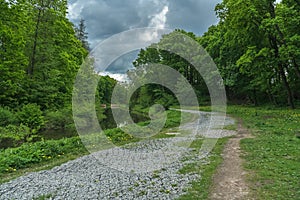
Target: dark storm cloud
107,17
192,15
104,19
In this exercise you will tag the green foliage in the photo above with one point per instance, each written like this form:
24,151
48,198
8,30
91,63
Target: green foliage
31,116
255,48
7,117
273,155
17,158
39,54
155,53
173,119
12,56
117,136
61,119
12,135
16,132
105,89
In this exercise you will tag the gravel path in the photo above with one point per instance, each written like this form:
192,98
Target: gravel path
145,170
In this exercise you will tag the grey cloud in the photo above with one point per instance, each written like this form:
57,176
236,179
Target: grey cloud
192,15
105,18
122,64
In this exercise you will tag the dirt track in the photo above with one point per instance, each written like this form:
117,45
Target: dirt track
229,181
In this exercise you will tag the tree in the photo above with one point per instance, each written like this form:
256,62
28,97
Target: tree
252,49
12,58
105,88
40,54
155,54
82,35
54,54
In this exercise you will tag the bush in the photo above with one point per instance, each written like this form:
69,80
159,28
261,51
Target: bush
7,117
31,116
166,101
16,132
117,136
59,119
27,154
12,135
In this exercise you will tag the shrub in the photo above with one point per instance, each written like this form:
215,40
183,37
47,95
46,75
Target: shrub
16,132
31,116
7,117
117,136
59,119
12,135
21,157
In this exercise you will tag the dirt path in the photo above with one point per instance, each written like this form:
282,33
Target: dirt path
229,181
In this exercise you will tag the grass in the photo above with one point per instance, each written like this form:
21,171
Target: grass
43,197
273,156
200,189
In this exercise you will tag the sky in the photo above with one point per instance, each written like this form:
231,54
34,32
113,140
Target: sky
105,18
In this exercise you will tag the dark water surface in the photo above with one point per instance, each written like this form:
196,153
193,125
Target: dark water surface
107,123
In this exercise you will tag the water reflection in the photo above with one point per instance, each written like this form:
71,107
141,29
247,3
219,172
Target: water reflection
109,121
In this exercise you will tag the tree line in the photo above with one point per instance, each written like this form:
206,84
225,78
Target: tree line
256,47
41,52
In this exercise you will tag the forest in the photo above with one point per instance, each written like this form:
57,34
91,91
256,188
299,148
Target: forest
41,52
255,46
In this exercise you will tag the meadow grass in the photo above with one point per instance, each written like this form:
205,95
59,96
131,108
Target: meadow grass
273,155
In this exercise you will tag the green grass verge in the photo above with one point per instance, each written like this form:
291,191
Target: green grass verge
5,177
273,156
200,189
15,161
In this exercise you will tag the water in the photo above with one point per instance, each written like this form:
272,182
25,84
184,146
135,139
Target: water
107,123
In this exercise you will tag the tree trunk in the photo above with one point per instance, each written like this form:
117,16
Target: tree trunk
255,97
296,68
32,60
287,87
275,45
